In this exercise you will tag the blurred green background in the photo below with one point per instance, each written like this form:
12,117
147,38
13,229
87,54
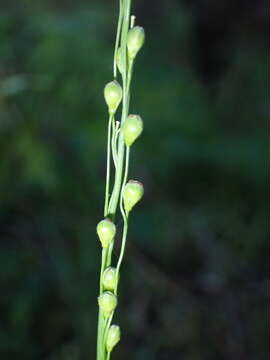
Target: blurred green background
196,279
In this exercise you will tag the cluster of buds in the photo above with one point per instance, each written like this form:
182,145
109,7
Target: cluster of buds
132,192
135,41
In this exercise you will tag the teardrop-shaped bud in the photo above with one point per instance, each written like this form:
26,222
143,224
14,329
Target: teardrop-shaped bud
135,40
106,231
132,129
119,60
107,302
113,95
132,193
113,337
110,279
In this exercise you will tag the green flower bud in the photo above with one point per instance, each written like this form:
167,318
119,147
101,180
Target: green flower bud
113,95
133,192
119,61
113,337
107,302
106,231
132,129
135,40
110,279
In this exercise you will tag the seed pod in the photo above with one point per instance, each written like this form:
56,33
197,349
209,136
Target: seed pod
107,302
113,337
132,129
106,231
119,61
133,192
110,279
113,95
135,40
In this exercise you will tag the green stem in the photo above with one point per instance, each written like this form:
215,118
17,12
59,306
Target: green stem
119,26
114,142
109,254
126,76
100,316
107,189
106,329
124,215
112,203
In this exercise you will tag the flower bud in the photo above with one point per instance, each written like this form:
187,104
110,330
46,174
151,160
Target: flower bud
113,337
110,279
132,129
135,40
106,231
133,192
119,61
113,95
107,302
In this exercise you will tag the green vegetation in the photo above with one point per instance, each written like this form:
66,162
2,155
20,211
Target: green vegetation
121,135
196,283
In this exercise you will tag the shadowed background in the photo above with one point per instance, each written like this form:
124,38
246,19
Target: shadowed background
195,284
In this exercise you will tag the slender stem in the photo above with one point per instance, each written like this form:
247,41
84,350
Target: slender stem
124,215
118,152
114,142
109,254
107,189
108,355
103,262
100,316
106,329
119,26
126,76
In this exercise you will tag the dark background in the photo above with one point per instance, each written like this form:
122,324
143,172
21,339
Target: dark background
196,279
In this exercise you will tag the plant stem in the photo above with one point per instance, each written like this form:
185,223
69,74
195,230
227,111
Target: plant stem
126,85
100,316
107,189
124,215
119,26
118,152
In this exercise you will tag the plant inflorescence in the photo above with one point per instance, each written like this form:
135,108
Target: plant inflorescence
121,193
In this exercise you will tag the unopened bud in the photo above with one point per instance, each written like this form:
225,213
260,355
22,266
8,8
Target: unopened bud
107,302
133,192
110,279
113,95
119,61
113,337
132,129
135,40
106,231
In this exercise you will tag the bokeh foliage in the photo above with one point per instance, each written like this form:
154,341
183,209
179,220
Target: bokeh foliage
196,278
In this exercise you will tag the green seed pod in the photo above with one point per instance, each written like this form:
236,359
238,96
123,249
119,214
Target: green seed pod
113,95
133,192
107,302
106,231
119,61
135,40
113,337
132,129
110,279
